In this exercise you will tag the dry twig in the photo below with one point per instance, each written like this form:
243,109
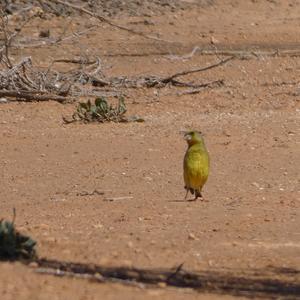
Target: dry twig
237,53
212,84
94,192
31,96
110,199
248,53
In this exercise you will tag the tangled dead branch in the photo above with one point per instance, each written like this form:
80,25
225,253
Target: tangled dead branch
160,82
31,96
22,81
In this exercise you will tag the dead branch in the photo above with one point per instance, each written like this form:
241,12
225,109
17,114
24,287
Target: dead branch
60,38
80,61
148,82
94,192
199,89
4,56
155,81
142,54
222,62
171,79
110,199
256,53
32,96
107,21
24,82
49,42
186,56
8,38
282,83
238,53
250,53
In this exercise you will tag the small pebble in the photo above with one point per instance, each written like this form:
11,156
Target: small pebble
192,236
3,100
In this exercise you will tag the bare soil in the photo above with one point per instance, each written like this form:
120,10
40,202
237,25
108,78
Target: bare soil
249,218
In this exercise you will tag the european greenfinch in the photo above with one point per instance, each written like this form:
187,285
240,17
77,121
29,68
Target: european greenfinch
195,164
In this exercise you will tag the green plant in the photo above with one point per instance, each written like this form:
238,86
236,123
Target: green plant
101,111
14,245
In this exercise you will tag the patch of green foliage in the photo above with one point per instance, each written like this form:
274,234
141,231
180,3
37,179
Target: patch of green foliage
13,244
101,111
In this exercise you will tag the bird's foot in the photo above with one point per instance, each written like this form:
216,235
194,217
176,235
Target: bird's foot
192,200
198,195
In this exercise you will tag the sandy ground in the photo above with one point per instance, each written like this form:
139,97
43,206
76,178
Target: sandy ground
249,218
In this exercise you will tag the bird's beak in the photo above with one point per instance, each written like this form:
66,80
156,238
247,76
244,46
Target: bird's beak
187,137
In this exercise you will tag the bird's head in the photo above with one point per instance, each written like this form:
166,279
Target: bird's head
194,137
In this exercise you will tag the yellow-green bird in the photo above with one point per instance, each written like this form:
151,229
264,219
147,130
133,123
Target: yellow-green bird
195,164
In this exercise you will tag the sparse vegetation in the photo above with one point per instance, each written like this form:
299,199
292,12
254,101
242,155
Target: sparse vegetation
13,244
101,111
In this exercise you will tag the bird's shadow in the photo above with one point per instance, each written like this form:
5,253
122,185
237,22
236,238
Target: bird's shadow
183,200
188,200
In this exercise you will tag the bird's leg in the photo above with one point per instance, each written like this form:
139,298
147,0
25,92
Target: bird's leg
198,194
187,191
193,191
